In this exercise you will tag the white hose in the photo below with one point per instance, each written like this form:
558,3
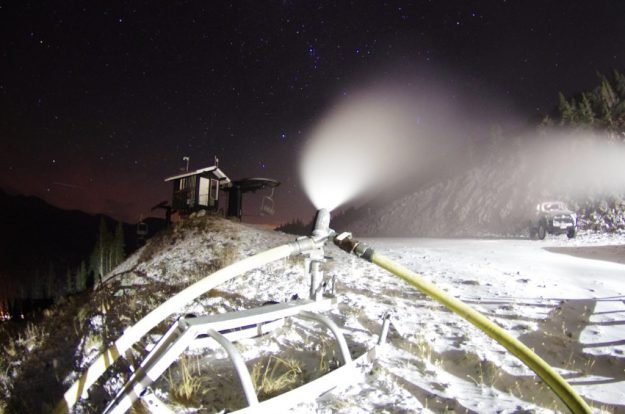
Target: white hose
134,333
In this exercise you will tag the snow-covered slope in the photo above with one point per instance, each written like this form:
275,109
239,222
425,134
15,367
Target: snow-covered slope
568,309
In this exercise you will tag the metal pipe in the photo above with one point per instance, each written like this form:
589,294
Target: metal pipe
316,278
336,331
385,326
162,356
239,366
155,405
561,388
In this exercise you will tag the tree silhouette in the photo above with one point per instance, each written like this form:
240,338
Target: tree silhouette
108,251
602,107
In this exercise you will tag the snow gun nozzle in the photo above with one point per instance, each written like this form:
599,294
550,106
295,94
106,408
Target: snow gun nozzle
346,242
322,230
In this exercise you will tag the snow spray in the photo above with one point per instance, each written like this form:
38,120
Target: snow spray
354,149
386,133
368,141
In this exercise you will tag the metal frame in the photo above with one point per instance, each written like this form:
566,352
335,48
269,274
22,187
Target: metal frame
344,374
228,327
184,332
239,366
338,335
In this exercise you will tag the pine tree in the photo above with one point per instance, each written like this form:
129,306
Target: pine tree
36,287
81,277
69,282
607,93
23,292
575,108
567,111
603,107
50,286
586,115
118,245
619,79
606,100
100,257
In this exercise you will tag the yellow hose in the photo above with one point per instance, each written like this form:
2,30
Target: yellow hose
562,389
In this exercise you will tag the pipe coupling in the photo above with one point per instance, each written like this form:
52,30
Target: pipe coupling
346,242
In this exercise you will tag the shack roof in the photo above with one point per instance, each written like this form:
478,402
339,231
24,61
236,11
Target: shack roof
214,170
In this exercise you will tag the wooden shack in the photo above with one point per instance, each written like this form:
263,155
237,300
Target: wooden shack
198,190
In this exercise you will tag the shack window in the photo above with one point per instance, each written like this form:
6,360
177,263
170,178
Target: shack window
204,191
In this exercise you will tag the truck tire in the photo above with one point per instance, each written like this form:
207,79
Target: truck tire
571,233
542,231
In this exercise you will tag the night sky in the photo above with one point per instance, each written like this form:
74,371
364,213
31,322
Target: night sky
99,101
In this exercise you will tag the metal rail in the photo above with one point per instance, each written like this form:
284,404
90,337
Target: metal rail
239,366
338,335
183,333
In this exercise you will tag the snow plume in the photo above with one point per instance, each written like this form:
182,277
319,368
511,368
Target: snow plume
574,164
495,191
378,136
356,147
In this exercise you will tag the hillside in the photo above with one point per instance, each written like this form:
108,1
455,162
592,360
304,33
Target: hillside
434,361
40,242
45,355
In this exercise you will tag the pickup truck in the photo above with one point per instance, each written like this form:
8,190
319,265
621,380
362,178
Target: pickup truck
552,217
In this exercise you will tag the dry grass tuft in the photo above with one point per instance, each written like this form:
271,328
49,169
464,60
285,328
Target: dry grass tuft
11,349
34,337
276,376
186,387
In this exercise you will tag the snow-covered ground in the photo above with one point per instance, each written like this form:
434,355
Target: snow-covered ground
570,310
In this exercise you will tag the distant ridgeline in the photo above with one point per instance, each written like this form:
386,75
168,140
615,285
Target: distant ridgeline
47,253
495,183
